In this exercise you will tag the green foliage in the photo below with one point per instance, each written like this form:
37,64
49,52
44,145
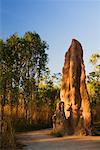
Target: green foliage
25,81
93,82
94,58
22,62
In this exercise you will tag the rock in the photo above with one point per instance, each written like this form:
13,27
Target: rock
74,91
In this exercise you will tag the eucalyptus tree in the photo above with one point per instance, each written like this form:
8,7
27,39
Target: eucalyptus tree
13,69
2,81
34,61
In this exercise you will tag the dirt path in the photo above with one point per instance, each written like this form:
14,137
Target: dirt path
42,140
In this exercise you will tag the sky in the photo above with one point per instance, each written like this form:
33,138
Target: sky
57,22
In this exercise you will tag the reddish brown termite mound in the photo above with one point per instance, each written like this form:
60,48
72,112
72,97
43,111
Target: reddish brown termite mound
74,92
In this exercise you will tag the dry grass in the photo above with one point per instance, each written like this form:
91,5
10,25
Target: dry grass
7,135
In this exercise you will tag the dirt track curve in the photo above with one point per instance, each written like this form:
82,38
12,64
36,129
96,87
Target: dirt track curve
42,140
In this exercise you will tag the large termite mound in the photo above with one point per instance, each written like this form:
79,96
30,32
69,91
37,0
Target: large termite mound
74,93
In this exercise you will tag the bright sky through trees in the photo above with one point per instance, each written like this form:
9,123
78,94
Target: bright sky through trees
57,22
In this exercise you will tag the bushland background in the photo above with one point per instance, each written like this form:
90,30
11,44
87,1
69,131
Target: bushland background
28,91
